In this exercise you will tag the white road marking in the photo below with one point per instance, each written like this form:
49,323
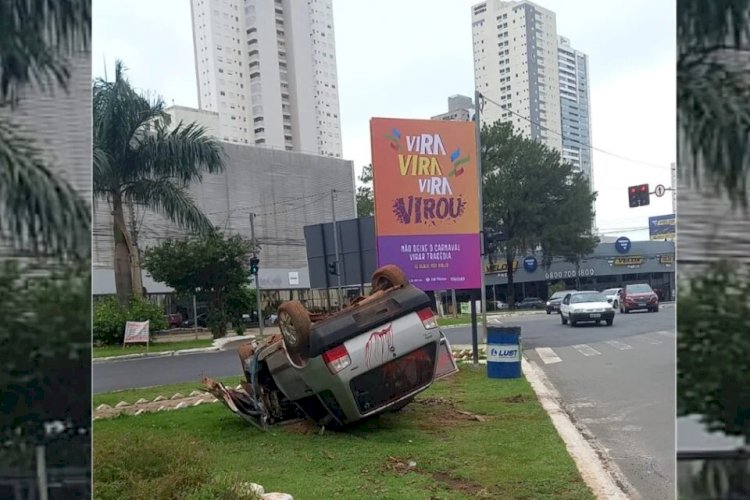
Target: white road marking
586,350
547,355
667,333
649,340
619,345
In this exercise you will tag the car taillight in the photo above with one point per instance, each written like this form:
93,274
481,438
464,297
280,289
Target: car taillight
428,318
337,359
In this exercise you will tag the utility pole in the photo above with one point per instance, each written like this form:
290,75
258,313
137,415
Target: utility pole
336,247
135,254
483,293
255,276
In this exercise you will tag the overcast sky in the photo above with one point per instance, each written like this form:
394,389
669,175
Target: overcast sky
402,59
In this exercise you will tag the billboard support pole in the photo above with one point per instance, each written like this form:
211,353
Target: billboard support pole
483,293
336,249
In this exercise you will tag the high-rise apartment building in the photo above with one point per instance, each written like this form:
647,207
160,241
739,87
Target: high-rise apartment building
460,108
516,66
268,68
575,110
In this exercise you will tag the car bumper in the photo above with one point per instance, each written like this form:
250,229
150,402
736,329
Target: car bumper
553,309
635,307
600,316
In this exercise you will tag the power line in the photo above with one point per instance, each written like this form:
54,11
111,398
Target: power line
571,139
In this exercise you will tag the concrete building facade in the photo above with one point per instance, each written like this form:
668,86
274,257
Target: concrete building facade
46,118
273,84
460,108
516,66
575,107
285,190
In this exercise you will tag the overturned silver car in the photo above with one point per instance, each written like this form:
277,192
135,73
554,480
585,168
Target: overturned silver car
373,356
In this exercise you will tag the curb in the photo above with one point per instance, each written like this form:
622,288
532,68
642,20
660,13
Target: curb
596,467
162,354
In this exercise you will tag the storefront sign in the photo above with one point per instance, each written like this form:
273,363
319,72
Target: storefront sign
530,264
501,267
666,259
622,244
629,261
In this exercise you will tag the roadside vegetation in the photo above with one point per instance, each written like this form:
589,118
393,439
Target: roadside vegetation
115,350
452,442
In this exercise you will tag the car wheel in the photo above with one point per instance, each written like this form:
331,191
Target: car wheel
563,320
615,305
549,312
609,322
656,309
572,322
295,325
388,276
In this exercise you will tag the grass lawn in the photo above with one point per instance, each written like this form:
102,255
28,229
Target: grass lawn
512,451
461,319
115,350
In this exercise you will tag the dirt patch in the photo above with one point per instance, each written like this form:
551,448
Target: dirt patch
516,398
459,484
154,406
444,412
401,466
299,426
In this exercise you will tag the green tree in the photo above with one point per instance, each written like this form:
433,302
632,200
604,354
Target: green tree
46,367
535,199
240,300
713,349
39,211
140,159
214,265
365,197
713,94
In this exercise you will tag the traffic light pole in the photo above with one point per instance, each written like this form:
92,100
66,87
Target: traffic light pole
336,247
255,276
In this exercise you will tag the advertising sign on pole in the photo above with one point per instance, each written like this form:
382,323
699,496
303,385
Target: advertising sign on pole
661,227
136,332
426,201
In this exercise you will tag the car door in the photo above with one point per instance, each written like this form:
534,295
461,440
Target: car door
565,306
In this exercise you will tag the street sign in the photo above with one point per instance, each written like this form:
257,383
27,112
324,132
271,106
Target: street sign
659,190
622,244
530,264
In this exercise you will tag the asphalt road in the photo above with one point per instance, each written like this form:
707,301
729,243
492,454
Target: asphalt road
618,382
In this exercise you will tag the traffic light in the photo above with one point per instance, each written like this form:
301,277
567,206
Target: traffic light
638,196
254,265
332,268
643,194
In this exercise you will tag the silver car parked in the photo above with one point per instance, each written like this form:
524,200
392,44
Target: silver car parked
374,356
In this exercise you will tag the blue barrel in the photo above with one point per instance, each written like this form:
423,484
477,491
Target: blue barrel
503,351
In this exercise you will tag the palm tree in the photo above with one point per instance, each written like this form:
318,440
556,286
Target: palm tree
39,211
713,94
139,159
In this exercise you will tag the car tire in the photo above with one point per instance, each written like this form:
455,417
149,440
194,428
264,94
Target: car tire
616,305
563,320
388,276
549,312
295,325
656,309
609,322
572,322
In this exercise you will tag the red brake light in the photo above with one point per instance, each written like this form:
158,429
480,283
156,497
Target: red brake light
337,358
428,318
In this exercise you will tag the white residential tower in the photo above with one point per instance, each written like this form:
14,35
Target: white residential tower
268,68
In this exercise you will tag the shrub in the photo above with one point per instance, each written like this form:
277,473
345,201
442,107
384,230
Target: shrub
110,318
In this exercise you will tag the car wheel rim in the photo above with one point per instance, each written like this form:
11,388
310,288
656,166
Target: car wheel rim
287,328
